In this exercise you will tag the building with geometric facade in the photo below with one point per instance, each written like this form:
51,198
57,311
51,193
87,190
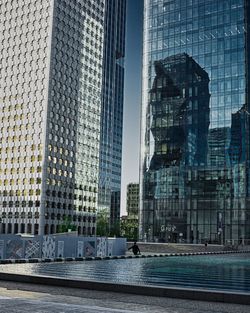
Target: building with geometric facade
50,98
112,110
194,167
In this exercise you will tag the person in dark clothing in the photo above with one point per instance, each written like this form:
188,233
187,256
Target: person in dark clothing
135,249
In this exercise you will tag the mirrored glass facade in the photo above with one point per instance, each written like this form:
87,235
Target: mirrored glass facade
194,170
112,109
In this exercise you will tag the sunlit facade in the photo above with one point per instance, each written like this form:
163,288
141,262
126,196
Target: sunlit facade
50,99
133,200
112,109
194,167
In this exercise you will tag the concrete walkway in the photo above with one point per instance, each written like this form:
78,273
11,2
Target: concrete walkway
21,297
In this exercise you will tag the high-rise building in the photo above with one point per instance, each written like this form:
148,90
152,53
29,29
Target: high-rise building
133,200
194,170
50,99
130,223
112,109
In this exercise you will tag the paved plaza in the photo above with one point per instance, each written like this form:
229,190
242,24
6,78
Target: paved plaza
21,297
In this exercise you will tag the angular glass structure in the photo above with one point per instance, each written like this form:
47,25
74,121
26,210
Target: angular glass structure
112,109
194,167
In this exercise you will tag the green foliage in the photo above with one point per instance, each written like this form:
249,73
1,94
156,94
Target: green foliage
66,225
129,229
102,223
114,229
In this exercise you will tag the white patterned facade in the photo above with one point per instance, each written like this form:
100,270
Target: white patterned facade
50,99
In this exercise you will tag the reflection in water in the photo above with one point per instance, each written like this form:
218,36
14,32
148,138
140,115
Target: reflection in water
221,272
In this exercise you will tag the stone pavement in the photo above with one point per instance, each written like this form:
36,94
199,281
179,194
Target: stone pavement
30,298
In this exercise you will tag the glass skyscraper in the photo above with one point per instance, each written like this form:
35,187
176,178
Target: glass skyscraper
194,167
112,109
50,99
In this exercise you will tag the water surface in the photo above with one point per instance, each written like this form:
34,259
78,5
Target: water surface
221,272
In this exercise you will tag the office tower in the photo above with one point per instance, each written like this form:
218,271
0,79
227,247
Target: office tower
112,109
194,168
130,223
133,200
50,89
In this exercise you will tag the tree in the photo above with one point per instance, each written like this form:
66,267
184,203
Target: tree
114,229
66,225
129,228
102,222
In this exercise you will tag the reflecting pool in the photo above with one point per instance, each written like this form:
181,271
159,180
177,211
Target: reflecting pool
221,272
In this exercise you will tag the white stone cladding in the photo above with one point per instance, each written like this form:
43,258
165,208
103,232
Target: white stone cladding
50,86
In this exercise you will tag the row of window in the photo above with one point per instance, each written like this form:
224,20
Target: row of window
19,117
23,204
17,130
60,205
64,195
65,206
18,170
60,150
20,181
52,193
70,196
89,219
74,218
59,172
49,204
22,215
10,228
25,159
14,149
10,107
51,229
18,193
56,160
16,138
23,87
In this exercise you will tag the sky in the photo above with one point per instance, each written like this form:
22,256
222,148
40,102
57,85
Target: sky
132,97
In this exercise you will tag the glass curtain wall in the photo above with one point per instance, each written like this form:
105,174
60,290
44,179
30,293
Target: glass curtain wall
195,122
112,111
